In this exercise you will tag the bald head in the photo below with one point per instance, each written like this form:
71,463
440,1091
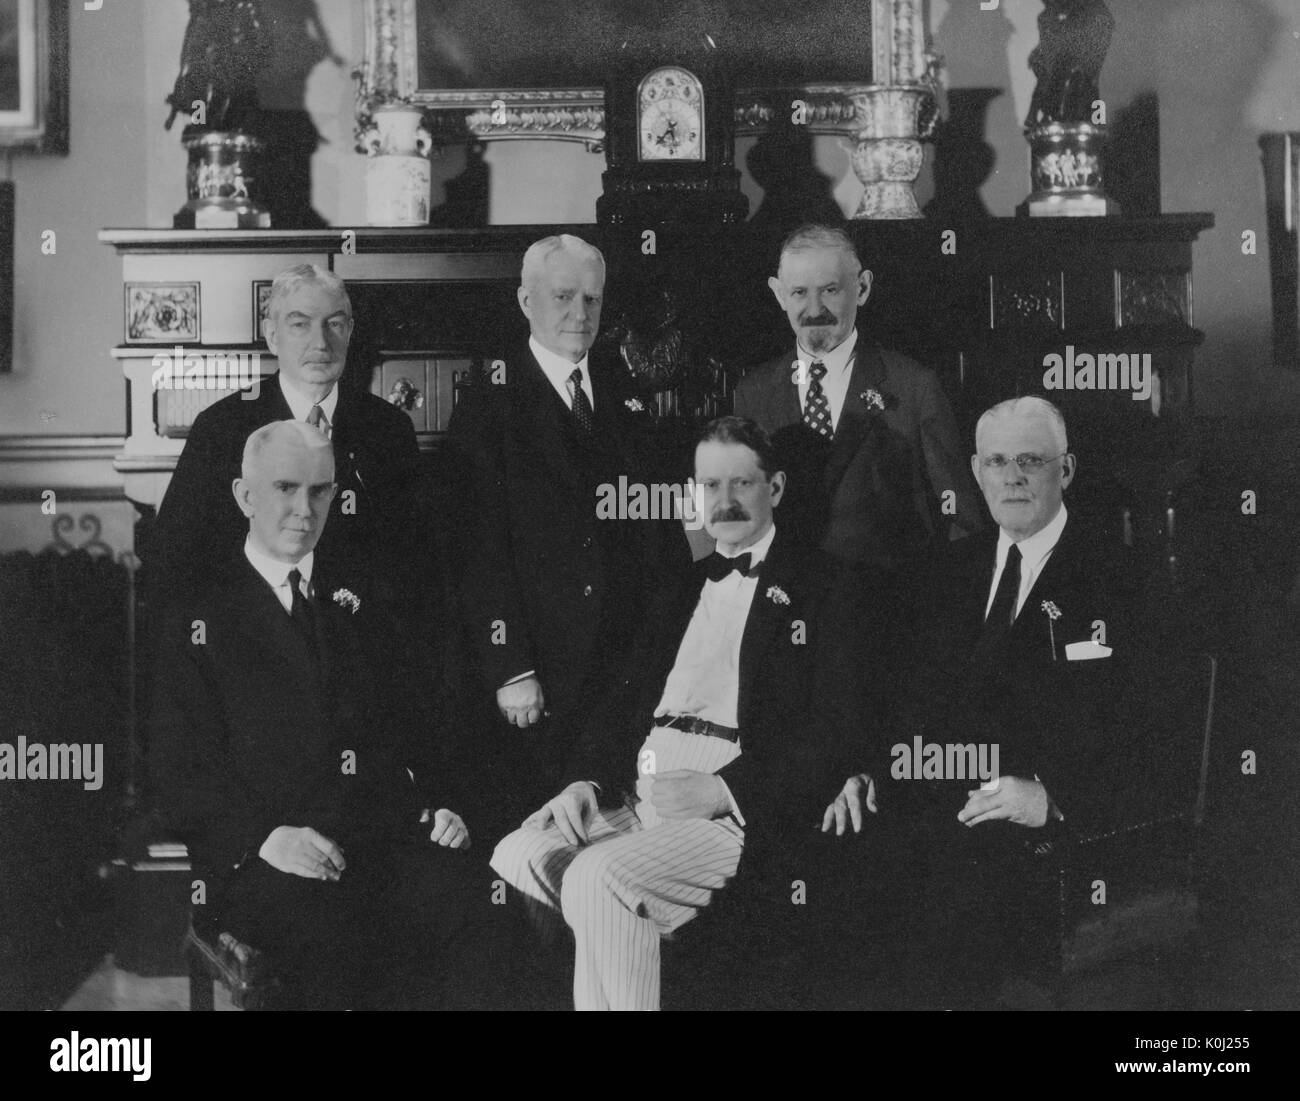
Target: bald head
285,488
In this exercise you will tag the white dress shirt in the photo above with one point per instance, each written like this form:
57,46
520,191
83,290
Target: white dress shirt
300,404
1034,553
557,369
276,573
835,383
705,678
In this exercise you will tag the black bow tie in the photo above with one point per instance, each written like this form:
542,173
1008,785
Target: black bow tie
718,566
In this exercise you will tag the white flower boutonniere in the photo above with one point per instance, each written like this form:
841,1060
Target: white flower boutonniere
348,599
777,595
635,405
873,400
1053,614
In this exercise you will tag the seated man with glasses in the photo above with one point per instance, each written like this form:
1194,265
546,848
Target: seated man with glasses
1012,666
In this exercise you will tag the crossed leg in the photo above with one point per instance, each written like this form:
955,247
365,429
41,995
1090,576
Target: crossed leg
620,893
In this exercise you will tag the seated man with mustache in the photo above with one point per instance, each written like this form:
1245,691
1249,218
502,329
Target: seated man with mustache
736,698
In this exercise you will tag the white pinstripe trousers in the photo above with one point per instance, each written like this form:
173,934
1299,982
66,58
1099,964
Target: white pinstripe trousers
639,878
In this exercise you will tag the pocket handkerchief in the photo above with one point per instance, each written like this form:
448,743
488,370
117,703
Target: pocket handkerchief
1086,651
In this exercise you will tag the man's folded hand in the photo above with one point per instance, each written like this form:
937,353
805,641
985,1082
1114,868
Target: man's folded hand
300,850
569,812
1021,801
449,829
859,793
522,702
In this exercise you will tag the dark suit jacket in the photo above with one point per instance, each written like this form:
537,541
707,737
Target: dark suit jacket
199,533
246,733
800,692
543,583
1064,721
881,481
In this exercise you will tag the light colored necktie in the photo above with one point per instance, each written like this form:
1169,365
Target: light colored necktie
317,419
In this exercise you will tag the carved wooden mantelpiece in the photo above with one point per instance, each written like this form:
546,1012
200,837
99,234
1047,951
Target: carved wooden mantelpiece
982,303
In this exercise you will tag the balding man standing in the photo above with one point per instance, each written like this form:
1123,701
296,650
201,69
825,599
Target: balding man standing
880,451
550,593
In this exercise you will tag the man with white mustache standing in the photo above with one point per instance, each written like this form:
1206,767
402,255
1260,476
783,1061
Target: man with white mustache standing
878,441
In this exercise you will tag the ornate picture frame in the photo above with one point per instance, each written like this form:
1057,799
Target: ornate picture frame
390,72
34,75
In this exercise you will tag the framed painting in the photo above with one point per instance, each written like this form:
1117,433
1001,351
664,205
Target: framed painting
34,75
535,68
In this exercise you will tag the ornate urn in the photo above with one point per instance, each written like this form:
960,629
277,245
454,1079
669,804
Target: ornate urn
221,182
398,173
890,123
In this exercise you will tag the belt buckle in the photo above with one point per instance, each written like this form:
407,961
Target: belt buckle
700,726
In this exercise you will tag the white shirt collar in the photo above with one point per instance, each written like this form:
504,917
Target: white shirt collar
837,360
300,405
1038,546
757,551
276,573
1034,552
558,369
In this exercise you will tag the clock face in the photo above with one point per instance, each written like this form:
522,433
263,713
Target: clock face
670,116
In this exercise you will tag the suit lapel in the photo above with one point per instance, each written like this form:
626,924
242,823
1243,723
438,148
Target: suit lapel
766,617
856,421
546,419
788,411
267,628
1054,580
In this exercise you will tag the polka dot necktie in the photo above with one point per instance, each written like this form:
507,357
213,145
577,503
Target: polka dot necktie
816,408
581,405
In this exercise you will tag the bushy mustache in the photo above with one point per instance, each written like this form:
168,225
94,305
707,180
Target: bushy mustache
733,515
823,318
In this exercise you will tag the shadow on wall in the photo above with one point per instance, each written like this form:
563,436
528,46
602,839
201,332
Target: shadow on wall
794,189
981,164
466,205
963,160
1204,60
298,42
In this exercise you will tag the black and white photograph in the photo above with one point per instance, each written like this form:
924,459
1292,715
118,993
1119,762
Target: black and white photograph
715,506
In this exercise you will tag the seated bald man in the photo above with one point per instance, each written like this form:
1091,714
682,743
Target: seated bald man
275,752
735,699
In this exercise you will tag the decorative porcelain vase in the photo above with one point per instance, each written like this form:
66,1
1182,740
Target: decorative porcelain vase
888,128
221,182
398,174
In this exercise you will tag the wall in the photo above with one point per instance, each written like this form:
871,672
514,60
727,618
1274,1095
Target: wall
1222,70
67,306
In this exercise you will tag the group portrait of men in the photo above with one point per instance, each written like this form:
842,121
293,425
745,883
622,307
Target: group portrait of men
639,736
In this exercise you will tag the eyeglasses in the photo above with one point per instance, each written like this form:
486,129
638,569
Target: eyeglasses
1027,463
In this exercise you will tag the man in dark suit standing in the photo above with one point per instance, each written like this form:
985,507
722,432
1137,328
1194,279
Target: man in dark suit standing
274,748
736,697
1019,646
372,528
550,593
874,440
